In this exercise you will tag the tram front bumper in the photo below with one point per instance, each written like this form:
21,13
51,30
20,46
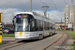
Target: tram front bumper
25,36
30,38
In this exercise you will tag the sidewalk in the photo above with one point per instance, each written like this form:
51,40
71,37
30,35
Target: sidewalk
8,39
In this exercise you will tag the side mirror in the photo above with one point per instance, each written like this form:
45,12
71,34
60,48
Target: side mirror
13,22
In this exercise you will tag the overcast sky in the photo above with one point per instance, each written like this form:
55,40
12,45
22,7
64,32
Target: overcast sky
8,7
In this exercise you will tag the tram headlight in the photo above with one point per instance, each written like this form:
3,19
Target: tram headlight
16,34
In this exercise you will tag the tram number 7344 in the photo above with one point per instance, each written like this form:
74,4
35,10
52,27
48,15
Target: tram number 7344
30,25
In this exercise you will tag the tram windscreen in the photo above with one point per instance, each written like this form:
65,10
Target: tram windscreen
23,23
19,25
19,21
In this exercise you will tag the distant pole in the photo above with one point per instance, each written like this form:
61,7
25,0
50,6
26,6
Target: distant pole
43,23
24,10
30,5
61,22
74,18
65,22
72,8
49,20
54,24
49,23
45,10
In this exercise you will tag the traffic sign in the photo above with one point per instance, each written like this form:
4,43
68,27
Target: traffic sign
0,27
0,31
0,17
69,25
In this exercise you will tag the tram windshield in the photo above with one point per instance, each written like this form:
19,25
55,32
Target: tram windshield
19,24
23,23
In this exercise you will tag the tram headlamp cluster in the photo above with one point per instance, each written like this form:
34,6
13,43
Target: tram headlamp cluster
19,16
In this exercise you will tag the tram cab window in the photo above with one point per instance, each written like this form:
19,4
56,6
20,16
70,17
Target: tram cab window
32,25
24,22
19,25
19,20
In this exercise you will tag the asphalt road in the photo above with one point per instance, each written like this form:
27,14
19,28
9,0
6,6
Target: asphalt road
37,44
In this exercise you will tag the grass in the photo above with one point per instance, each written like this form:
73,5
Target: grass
2,43
8,35
74,46
73,35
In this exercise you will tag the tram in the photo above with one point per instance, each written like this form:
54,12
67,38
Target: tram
31,25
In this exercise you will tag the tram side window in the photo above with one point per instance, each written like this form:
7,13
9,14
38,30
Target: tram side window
35,25
39,25
51,27
44,25
47,26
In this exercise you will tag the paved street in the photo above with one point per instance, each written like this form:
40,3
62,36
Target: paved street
36,45
49,43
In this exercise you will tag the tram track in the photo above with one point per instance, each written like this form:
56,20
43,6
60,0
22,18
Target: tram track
53,43
14,44
60,48
11,43
17,44
64,41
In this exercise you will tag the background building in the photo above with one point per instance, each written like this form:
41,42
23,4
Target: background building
67,14
72,15
60,25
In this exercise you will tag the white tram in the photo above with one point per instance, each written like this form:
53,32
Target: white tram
31,25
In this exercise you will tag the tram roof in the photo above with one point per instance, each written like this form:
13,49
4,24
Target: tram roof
24,13
36,17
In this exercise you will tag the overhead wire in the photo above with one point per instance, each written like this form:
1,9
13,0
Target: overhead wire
55,7
43,3
65,2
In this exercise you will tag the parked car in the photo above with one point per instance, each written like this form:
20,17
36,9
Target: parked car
8,31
